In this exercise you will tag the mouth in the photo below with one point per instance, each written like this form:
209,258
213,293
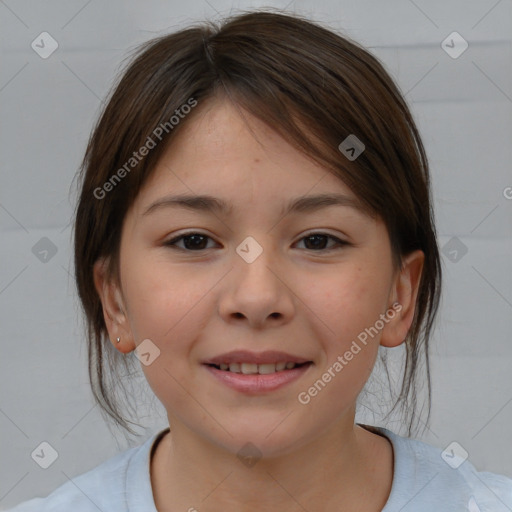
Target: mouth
248,358
260,369
256,373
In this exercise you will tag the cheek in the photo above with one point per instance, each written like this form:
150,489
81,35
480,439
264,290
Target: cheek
348,301
347,304
169,307
162,297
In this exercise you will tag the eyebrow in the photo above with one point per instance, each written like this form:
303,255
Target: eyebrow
207,203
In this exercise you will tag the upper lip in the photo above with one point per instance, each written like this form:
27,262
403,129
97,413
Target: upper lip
244,356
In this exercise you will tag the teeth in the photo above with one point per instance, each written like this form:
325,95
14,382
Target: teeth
266,368
252,368
249,368
234,367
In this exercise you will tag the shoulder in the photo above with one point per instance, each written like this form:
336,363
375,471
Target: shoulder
109,486
86,492
426,476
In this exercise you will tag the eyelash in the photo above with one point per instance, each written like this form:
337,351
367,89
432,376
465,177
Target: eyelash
172,243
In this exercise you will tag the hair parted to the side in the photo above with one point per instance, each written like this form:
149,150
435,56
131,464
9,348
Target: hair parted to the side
312,86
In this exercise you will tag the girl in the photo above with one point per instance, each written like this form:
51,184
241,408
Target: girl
254,223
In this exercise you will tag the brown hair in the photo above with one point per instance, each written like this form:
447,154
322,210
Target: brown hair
312,86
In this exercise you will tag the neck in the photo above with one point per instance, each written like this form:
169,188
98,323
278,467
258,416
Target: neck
346,468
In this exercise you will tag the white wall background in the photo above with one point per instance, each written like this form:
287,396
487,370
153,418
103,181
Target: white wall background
463,107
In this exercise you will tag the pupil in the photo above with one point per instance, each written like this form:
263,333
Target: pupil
317,237
194,245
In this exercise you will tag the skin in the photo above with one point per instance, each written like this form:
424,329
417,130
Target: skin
295,297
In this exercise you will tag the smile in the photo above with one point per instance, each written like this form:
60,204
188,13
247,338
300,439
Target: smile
256,379
252,368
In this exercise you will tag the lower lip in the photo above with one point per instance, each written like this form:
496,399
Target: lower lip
256,383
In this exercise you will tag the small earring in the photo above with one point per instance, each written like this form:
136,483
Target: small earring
118,340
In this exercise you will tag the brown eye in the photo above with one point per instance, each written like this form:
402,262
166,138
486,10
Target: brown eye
317,242
196,242
191,241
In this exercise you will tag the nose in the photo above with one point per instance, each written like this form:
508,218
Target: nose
256,290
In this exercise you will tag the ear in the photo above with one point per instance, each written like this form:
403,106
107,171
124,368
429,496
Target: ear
114,311
403,300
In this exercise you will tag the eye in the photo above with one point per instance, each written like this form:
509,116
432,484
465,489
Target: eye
192,241
317,240
195,242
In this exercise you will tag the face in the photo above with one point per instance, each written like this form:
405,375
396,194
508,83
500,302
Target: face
200,283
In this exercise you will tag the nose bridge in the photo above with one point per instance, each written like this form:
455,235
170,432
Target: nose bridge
256,290
256,258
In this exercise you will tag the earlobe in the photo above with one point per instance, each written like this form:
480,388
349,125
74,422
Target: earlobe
404,292
114,314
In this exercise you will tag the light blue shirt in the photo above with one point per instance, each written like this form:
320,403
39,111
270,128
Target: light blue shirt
423,481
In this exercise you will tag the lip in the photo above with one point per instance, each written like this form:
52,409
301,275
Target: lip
255,384
245,356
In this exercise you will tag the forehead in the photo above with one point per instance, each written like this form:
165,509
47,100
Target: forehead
228,154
